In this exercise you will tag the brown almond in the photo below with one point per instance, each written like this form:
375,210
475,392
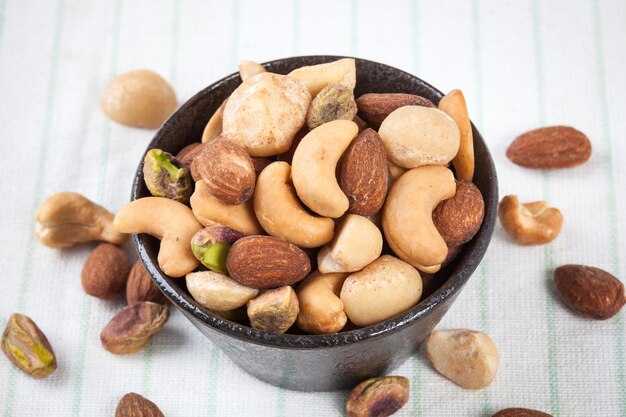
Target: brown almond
266,262
260,163
105,272
363,174
135,405
520,412
374,108
188,155
227,171
140,287
459,218
590,291
550,147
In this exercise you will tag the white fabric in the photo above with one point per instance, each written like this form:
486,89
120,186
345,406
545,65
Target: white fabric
522,64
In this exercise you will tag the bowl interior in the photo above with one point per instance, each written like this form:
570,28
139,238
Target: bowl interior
185,126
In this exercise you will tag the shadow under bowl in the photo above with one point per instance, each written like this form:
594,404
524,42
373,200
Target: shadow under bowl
318,362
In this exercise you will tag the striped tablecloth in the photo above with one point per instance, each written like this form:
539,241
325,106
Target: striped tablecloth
522,64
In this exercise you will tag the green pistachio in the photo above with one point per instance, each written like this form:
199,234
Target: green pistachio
211,245
166,177
334,102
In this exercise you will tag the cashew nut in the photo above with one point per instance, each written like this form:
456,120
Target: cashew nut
416,136
281,215
67,218
209,211
407,216
249,69
454,105
380,291
168,220
314,165
214,127
321,310
530,223
217,291
357,243
316,77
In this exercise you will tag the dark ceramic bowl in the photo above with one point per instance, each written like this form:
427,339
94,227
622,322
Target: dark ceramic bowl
319,362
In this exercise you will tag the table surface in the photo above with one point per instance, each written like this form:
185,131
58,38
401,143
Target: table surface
522,64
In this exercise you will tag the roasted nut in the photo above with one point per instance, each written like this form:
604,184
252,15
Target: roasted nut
380,291
589,291
278,210
321,310
210,211
140,98
218,292
550,147
407,216
140,287
416,136
458,219
334,102
395,172
214,126
186,155
66,218
314,166
105,272
316,77
530,223
133,327
378,397
454,105
260,164
374,108
248,69
227,171
168,220
466,357
265,112
288,156
25,345
520,412
211,245
357,243
274,311
134,405
266,262
166,177
362,124
363,174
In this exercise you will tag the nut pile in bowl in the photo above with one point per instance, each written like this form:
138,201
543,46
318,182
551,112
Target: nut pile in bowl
304,208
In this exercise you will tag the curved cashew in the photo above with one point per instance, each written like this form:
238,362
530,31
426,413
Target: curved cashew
407,215
209,211
249,69
67,218
321,310
314,165
214,126
357,243
168,220
453,103
218,292
281,215
531,223
316,77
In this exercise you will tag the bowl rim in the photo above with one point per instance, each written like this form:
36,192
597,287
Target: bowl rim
450,288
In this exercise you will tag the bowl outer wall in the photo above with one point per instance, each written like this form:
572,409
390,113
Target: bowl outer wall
318,362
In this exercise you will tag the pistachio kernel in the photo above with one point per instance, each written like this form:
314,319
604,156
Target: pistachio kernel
378,397
166,177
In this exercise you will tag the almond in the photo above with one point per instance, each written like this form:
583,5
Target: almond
374,108
134,405
105,272
141,288
520,412
550,147
266,262
363,174
459,218
227,171
590,291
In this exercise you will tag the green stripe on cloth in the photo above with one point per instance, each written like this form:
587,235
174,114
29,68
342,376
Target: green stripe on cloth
104,162
553,381
613,222
46,136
